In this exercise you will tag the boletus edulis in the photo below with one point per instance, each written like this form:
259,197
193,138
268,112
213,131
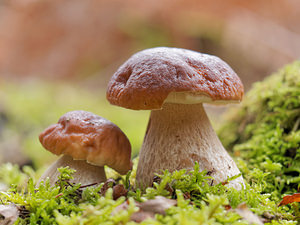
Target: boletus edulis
87,143
174,83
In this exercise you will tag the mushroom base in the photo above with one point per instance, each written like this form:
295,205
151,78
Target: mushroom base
178,136
85,173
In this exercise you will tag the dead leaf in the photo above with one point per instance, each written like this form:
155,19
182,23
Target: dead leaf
118,191
157,205
148,209
248,215
290,199
8,214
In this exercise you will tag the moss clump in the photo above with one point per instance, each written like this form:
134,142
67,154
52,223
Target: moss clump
197,202
265,130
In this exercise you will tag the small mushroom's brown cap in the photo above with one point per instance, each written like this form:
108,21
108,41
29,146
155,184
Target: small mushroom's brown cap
86,136
157,75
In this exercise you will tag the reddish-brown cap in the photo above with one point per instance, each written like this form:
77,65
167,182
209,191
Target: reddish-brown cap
157,75
86,136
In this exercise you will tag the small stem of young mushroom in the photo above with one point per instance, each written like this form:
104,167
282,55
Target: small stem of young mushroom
178,136
85,173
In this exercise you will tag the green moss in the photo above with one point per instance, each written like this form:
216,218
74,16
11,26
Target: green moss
265,130
197,201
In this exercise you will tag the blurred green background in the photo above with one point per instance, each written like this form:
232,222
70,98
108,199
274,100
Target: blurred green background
58,55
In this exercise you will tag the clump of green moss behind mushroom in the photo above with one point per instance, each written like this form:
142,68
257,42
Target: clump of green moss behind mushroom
265,131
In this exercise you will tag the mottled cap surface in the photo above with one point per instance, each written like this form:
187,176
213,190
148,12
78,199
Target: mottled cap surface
157,75
86,136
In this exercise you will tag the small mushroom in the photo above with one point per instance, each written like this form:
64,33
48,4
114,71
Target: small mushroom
87,143
174,83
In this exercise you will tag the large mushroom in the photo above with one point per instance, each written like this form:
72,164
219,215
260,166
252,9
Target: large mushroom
174,83
87,143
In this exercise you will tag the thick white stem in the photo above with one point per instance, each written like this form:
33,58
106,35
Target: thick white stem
178,136
85,173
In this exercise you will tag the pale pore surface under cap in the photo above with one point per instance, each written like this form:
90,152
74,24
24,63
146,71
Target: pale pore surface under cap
192,98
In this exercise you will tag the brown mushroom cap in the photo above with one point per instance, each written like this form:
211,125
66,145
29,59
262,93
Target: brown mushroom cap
86,136
146,80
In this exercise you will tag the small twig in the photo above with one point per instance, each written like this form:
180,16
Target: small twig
88,185
70,184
